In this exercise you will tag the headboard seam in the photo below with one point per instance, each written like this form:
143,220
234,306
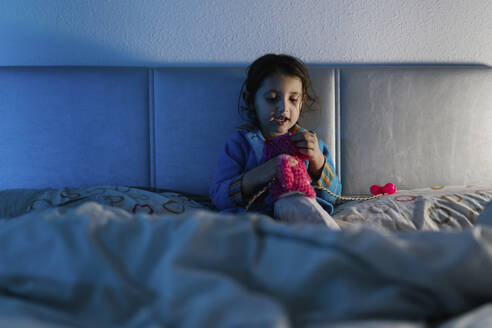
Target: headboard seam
336,84
151,115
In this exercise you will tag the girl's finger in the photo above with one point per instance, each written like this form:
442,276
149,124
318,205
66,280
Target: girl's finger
301,143
299,135
296,137
305,150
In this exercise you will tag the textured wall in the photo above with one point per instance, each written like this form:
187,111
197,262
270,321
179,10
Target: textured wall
184,32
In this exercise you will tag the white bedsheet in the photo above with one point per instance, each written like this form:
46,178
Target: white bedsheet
431,208
97,266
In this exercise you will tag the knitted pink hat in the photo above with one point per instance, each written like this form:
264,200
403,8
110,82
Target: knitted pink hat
289,177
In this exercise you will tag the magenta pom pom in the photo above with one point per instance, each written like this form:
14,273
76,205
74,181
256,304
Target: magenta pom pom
389,188
376,189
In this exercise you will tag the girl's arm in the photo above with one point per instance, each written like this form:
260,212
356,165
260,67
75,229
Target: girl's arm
225,189
258,177
308,144
237,178
328,177
320,168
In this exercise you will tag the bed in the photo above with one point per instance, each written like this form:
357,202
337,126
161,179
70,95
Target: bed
105,219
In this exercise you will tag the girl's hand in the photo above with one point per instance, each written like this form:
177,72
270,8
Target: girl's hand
261,175
307,143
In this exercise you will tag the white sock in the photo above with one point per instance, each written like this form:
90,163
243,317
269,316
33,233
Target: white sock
297,208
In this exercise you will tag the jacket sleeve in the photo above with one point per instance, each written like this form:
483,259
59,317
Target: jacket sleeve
226,188
328,178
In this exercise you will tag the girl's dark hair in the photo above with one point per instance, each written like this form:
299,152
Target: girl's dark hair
269,65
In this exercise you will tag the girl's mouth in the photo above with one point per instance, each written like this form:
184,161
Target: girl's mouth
280,120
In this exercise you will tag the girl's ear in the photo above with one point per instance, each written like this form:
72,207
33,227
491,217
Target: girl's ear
247,100
245,96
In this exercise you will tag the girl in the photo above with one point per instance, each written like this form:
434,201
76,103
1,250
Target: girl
276,91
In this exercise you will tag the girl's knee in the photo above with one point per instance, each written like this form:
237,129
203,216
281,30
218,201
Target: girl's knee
297,208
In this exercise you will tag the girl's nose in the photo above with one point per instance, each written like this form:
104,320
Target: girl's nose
281,106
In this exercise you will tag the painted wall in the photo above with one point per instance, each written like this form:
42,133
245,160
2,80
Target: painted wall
196,32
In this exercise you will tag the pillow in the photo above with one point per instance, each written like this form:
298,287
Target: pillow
16,202
432,208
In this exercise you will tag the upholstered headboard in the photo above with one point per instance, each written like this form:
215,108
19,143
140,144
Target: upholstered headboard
71,126
416,126
164,127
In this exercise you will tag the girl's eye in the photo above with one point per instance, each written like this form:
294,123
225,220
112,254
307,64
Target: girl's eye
294,101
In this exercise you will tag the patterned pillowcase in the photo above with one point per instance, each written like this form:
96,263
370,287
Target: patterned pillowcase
432,208
14,203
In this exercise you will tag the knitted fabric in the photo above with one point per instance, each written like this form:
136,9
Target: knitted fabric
289,177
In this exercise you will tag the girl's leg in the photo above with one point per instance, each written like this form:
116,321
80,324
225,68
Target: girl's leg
297,208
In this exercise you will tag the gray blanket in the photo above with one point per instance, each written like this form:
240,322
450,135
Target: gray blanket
98,266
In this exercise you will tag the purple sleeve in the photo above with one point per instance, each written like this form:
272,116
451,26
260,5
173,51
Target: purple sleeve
225,190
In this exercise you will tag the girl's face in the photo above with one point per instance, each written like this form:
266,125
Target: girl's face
278,104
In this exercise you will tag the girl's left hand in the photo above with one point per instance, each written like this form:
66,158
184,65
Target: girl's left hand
307,143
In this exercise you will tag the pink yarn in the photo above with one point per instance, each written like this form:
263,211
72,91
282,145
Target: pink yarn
289,177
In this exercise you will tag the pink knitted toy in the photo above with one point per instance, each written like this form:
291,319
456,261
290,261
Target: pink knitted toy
290,177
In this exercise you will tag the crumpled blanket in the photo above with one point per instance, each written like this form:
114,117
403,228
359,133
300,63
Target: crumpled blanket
98,266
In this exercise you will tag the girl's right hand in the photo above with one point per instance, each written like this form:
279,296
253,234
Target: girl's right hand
261,175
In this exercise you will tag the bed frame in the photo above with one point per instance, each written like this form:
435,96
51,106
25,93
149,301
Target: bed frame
415,126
